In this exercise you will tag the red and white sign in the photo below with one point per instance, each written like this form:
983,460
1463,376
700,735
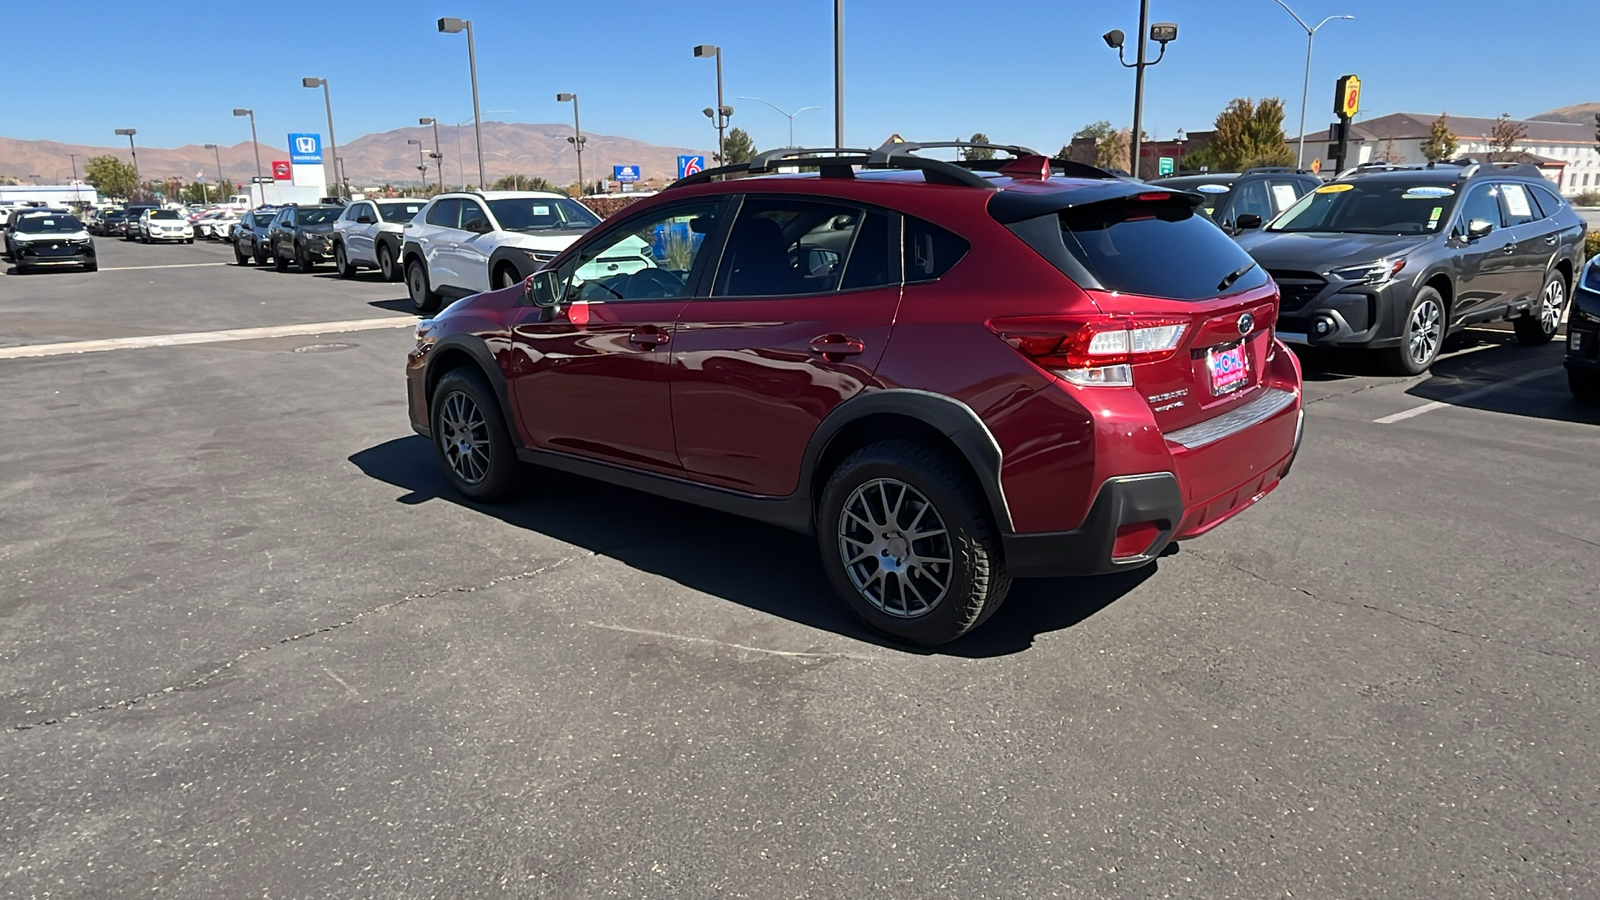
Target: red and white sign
281,170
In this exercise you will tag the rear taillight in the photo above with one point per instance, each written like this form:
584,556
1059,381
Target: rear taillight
1092,351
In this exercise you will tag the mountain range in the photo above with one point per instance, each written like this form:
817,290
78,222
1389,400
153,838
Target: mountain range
536,149
1577,114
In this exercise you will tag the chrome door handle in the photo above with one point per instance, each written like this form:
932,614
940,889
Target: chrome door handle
1510,249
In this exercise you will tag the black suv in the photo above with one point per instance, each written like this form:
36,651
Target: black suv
303,235
1583,335
1239,201
1396,258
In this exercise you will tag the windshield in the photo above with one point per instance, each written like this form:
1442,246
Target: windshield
319,216
163,214
265,218
541,213
1215,191
1390,206
49,225
399,212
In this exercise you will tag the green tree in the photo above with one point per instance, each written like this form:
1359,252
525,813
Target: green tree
738,147
523,183
1111,150
1098,130
978,137
1504,137
1251,134
110,176
1441,143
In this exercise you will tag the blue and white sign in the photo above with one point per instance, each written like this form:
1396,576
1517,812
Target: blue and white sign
625,174
305,148
689,165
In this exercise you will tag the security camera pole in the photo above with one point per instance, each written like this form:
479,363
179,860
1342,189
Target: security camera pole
452,26
253,142
702,51
333,145
438,157
129,133
577,140
1161,32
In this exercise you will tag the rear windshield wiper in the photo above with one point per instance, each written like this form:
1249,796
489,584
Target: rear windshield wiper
1235,275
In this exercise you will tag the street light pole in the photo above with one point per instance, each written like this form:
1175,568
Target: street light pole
254,143
451,26
421,166
129,133
702,51
838,78
788,115
438,157
213,149
1305,87
333,144
577,140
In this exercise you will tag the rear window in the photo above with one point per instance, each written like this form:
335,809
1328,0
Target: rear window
1156,249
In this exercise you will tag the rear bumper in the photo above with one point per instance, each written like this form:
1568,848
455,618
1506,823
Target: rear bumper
1086,550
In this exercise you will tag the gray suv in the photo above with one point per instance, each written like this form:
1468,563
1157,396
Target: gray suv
1396,258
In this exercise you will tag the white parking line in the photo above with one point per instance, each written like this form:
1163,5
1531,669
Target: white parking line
1467,397
170,266
203,337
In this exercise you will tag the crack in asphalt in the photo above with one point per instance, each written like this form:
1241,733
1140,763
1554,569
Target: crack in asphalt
1357,604
1360,390
130,702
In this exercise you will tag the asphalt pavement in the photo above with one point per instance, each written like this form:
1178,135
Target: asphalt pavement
251,646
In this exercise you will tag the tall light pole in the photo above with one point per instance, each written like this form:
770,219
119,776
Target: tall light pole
1161,33
1305,87
129,133
701,51
838,78
788,115
577,140
452,26
438,157
421,166
333,145
213,148
254,143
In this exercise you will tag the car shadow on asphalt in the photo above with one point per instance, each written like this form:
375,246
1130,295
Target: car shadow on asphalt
401,305
758,566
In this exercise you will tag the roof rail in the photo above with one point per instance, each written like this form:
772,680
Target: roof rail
1291,170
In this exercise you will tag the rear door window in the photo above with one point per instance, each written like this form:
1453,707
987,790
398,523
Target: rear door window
1157,249
1516,207
930,251
875,258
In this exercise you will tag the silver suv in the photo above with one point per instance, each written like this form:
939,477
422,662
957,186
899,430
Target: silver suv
369,234
465,243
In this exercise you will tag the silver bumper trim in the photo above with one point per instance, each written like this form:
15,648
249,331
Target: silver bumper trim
1290,337
1270,403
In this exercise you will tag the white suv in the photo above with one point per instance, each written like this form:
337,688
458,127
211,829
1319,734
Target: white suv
465,243
164,225
369,234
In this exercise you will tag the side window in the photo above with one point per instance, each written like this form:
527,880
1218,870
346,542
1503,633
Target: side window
473,218
930,251
445,213
782,246
1515,206
649,258
1251,198
1482,203
1285,193
875,259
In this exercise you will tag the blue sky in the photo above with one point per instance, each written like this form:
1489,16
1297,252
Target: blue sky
1029,71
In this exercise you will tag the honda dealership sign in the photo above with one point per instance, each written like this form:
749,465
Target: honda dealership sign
305,158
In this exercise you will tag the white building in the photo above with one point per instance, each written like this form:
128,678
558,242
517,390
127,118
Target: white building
1564,152
56,195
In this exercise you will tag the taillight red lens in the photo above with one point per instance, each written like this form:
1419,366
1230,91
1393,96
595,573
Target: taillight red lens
1134,539
1077,343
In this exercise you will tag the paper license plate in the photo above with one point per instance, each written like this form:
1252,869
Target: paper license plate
1229,368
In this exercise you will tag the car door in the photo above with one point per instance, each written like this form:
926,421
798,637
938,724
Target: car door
438,236
1533,237
1483,276
590,377
280,234
470,255
794,323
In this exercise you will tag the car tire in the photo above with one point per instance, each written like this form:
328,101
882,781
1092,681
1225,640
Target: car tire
422,296
1422,333
386,266
470,437
91,267
1540,325
280,263
341,261
239,258
301,260
505,276
188,240
894,486
1584,385
261,257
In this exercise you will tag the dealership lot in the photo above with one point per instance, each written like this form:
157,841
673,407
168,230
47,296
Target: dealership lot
251,645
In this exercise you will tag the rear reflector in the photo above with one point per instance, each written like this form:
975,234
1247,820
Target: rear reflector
1095,350
1134,539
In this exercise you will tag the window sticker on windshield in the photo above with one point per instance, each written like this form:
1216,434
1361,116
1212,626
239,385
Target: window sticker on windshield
1213,189
1283,196
1433,217
1334,188
1517,201
1426,193
541,210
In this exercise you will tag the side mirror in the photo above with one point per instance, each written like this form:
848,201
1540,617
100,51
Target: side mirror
544,289
363,219
478,226
1247,221
1479,228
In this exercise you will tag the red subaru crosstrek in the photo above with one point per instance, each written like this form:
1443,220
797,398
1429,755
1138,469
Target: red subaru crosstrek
952,374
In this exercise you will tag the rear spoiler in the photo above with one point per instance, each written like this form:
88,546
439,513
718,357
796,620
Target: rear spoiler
1007,207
